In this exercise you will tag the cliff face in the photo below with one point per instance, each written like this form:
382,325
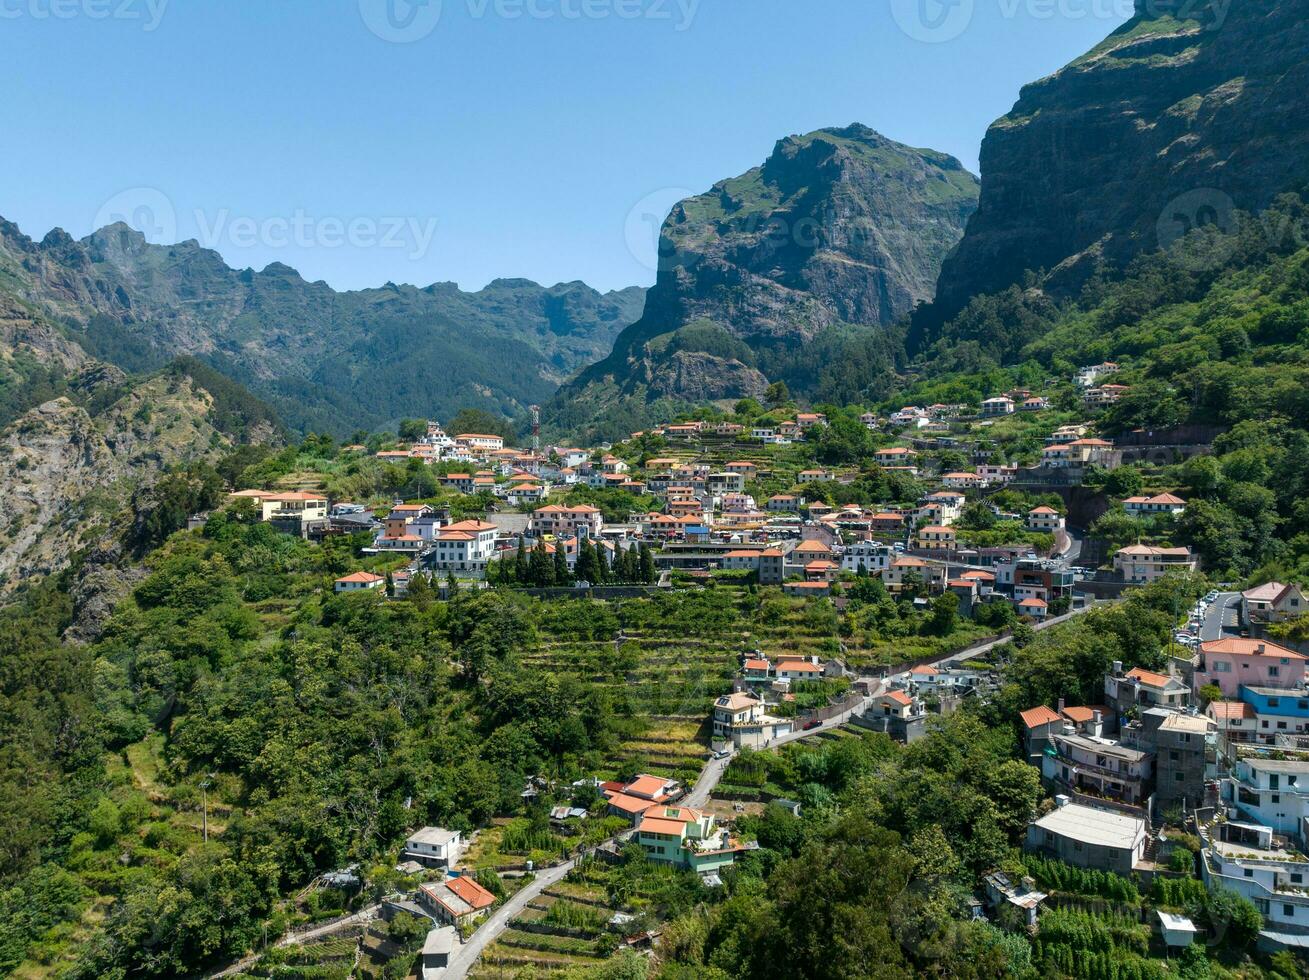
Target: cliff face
327,360
66,475
838,227
1167,124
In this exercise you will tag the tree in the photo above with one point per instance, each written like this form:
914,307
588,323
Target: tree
944,614
833,904
411,430
481,422
406,928
562,576
521,572
420,590
1126,481
540,571
777,394
748,408
1232,917
648,571
586,569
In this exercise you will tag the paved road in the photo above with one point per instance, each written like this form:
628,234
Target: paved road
466,955
968,653
699,795
1221,617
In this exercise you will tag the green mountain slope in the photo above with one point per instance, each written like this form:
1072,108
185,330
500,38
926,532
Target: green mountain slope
327,361
1212,333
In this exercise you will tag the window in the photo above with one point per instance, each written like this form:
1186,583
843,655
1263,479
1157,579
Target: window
1249,872
1272,671
1288,911
1222,667
1274,702
1179,776
1276,798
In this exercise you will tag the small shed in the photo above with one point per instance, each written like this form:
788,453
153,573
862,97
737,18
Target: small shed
1178,931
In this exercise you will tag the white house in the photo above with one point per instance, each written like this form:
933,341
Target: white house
463,547
1142,563
359,582
874,556
1044,519
1275,879
561,520
480,441
1272,602
434,847
1164,503
1273,793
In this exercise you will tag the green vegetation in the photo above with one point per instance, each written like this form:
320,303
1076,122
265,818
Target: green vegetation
1212,332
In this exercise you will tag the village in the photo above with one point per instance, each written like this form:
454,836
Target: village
976,519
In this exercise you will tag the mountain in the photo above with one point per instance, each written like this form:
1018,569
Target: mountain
1186,113
326,360
772,274
84,447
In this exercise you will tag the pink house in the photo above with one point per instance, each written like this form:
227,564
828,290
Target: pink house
1232,662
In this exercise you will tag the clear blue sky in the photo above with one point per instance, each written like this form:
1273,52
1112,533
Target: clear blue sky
535,136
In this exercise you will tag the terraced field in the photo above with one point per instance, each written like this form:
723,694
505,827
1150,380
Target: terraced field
662,662
561,929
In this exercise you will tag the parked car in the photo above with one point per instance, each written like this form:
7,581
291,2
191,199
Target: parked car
811,724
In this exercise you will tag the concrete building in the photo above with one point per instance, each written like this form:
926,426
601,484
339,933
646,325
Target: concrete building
1232,662
1271,792
359,582
1142,563
1044,519
1163,503
686,838
1088,837
1180,743
1141,688
1099,767
742,719
1248,860
434,847
874,556
455,900
1273,602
